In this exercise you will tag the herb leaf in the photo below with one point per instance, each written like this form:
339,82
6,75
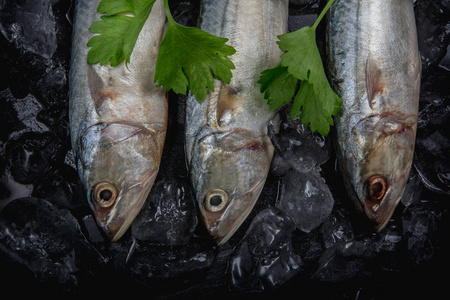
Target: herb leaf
278,86
310,99
117,32
301,59
187,59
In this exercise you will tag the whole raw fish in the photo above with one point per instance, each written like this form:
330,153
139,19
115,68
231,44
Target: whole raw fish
374,65
118,121
228,150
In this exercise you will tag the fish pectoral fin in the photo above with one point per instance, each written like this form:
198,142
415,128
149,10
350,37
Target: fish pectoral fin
374,80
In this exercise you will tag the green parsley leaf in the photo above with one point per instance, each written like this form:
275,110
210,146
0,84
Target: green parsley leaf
301,58
310,100
188,57
278,86
117,32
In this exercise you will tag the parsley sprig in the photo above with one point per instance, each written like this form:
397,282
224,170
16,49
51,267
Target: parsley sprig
188,55
188,59
301,60
117,31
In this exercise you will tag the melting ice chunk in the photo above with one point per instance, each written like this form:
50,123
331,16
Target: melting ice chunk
306,199
30,24
178,266
299,148
432,161
421,226
337,228
344,260
12,190
168,217
47,241
264,259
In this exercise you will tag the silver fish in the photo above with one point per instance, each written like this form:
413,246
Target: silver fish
227,147
118,121
374,66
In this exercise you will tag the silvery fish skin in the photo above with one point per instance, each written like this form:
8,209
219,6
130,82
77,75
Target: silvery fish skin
374,66
227,147
118,121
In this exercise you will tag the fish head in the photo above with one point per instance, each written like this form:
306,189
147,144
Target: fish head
229,170
384,163
118,164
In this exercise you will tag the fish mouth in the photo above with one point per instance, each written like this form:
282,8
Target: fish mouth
222,225
125,158
386,165
379,213
116,220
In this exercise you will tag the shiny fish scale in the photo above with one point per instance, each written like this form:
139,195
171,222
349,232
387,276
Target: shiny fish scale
374,66
227,146
118,121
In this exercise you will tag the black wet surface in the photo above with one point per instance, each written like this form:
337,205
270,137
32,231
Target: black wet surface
50,244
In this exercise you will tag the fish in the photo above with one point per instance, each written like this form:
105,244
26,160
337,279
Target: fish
374,65
118,121
227,147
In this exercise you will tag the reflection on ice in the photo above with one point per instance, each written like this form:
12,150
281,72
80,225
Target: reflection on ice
337,228
30,24
299,148
46,240
412,191
10,189
306,199
168,216
264,260
432,153
345,260
420,226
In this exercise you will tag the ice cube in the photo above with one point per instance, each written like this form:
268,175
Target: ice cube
445,62
343,261
31,154
169,215
170,268
432,161
420,228
306,199
264,259
23,110
337,228
433,34
389,239
47,241
30,24
412,191
62,187
300,148
12,189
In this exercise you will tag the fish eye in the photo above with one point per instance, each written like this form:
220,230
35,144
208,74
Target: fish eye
376,187
105,194
215,200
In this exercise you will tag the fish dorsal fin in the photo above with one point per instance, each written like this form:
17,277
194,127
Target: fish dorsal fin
374,80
